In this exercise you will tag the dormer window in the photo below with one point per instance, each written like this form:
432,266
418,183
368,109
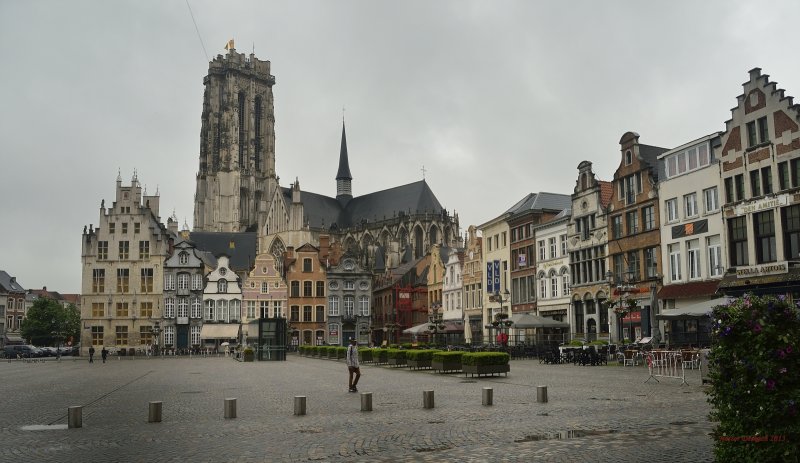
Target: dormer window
183,258
757,132
628,158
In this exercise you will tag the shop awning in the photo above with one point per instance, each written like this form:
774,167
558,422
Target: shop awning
689,290
220,331
697,310
526,320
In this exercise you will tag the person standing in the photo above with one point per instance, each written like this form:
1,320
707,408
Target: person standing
104,354
91,354
352,364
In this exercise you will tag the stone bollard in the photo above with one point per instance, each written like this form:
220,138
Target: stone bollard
230,409
541,394
366,401
299,405
154,412
487,396
427,399
75,417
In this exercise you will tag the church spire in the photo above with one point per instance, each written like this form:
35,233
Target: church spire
343,178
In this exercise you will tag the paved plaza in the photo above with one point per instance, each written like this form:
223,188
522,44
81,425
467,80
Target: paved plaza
605,413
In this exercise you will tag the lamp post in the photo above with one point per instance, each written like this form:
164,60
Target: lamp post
624,305
436,323
156,330
502,317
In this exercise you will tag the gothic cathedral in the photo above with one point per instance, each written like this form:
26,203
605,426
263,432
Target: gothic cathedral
238,189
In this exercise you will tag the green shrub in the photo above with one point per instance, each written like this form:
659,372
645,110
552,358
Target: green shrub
380,355
485,358
365,355
756,380
575,343
341,352
447,357
394,346
407,345
397,354
420,354
598,342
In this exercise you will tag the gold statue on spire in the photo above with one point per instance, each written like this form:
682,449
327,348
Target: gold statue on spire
229,45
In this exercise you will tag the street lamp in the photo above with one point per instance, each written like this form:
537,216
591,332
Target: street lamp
501,318
156,330
436,324
624,305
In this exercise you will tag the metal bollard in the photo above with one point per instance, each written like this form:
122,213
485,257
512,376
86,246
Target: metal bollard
427,399
299,405
541,394
366,401
230,409
75,417
487,396
154,412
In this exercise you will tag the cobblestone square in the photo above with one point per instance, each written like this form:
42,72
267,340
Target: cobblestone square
605,413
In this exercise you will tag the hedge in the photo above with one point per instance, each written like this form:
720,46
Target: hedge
485,358
341,352
397,354
426,354
755,393
447,357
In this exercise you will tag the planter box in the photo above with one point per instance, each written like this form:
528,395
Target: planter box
486,369
397,362
419,364
446,366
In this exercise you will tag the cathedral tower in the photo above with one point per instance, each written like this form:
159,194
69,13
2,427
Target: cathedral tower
236,177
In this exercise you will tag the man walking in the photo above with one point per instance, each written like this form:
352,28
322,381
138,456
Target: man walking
352,364
91,354
104,354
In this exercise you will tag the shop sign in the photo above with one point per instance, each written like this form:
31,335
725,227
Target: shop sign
761,205
775,268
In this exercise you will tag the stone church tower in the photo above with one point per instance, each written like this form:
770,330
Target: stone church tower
237,144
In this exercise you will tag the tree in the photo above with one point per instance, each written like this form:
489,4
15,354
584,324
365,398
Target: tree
50,323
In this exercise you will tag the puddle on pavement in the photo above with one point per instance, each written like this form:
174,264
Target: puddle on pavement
44,427
682,423
436,422
563,435
468,381
433,449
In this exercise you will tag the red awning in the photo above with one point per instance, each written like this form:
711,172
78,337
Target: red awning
689,290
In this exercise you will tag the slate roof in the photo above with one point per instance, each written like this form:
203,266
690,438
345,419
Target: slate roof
322,211
344,164
6,285
542,202
650,155
242,254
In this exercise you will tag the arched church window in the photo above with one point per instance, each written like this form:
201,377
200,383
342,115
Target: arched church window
242,136
258,134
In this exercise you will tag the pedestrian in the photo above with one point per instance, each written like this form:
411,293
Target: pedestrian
104,354
352,364
91,354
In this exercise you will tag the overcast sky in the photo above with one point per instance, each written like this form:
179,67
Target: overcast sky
496,99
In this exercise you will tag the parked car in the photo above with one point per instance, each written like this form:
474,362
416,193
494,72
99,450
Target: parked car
22,350
65,350
49,351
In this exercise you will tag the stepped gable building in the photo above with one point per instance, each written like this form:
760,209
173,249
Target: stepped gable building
122,281
587,243
634,237
760,180
238,189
